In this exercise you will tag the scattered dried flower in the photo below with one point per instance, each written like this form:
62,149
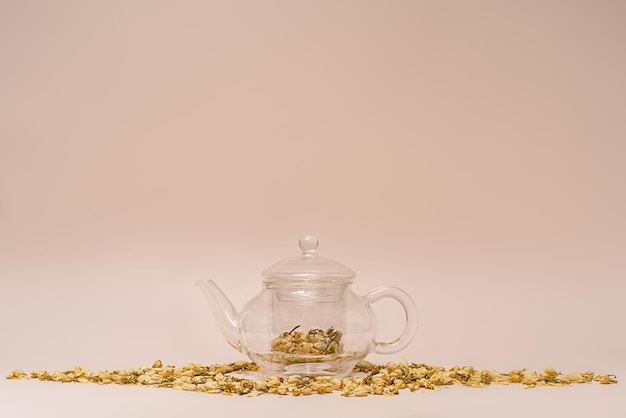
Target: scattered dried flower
388,379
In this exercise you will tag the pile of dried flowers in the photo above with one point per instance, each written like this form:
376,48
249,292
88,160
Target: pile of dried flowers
368,379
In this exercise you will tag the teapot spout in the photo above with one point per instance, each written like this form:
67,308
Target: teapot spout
224,313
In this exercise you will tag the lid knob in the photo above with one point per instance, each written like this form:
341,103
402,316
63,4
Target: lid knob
308,244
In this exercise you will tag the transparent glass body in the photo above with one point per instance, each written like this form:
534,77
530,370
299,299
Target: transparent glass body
306,320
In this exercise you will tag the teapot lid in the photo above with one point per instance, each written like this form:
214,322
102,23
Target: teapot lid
308,267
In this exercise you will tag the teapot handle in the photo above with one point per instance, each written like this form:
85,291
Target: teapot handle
410,310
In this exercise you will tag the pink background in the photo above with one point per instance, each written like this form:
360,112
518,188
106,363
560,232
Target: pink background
471,153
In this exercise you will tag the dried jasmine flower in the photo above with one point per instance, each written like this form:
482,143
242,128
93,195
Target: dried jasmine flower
313,342
386,379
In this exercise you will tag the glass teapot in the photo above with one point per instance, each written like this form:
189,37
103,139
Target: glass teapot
306,320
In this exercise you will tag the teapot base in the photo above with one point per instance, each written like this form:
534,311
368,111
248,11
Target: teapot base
311,369
280,364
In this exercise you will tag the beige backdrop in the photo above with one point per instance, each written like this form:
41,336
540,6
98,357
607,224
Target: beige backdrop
471,153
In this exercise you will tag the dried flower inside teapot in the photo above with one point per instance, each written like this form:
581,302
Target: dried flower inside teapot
313,342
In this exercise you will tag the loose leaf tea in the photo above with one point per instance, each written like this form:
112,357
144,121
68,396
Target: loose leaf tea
368,379
313,342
